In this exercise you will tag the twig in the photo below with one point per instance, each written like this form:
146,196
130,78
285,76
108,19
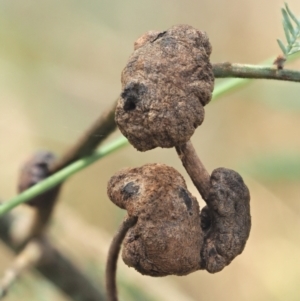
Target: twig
194,167
27,258
56,267
111,265
253,71
233,84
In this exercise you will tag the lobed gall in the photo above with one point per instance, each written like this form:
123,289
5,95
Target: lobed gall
171,236
167,238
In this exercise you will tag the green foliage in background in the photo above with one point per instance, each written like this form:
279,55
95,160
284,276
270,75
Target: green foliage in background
291,26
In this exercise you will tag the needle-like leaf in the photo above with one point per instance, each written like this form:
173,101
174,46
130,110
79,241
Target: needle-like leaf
286,32
282,47
293,17
287,22
292,32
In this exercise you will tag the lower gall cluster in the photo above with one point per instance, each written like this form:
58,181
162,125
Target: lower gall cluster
171,236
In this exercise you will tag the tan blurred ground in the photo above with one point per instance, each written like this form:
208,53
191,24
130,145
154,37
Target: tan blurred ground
60,65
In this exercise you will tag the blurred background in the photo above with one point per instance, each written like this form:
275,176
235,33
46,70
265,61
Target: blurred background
60,66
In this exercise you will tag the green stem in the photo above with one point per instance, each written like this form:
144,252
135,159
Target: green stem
62,175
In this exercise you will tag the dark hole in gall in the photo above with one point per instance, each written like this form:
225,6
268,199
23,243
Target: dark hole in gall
132,94
205,219
187,200
130,104
129,190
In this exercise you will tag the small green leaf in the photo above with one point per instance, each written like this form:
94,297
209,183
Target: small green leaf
292,34
286,32
294,50
281,45
288,23
293,17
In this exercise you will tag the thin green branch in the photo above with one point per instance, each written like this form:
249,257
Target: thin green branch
62,175
291,31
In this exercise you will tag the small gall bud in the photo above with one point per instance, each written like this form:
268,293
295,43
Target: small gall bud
279,62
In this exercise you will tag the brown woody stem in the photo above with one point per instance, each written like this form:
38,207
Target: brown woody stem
56,267
222,70
194,168
27,258
114,250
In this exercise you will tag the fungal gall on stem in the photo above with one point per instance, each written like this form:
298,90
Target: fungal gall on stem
226,219
167,238
166,83
171,236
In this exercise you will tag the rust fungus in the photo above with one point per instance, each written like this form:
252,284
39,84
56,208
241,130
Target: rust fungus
226,219
169,236
166,83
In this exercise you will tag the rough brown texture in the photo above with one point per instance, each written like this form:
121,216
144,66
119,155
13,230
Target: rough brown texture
167,237
166,83
226,220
